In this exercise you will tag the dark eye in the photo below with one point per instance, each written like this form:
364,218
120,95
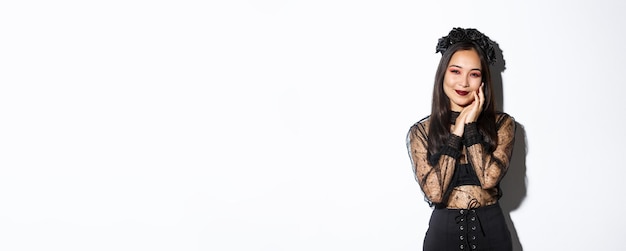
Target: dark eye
476,75
455,71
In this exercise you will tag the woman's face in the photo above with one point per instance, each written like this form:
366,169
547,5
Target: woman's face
463,77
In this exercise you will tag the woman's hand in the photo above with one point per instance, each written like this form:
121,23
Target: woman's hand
470,113
459,123
476,107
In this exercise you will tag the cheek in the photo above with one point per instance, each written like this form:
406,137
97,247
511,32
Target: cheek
448,82
448,87
475,84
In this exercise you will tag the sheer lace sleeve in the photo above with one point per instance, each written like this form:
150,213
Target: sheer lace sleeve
433,180
491,167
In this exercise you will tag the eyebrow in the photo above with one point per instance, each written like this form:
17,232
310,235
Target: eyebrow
462,67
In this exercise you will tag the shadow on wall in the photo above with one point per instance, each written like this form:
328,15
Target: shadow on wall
513,184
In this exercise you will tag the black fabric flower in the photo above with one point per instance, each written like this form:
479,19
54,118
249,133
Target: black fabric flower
469,35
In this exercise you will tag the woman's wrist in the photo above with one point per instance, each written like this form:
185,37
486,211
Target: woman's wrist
458,130
472,136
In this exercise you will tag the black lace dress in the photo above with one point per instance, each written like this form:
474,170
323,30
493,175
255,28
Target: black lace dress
463,173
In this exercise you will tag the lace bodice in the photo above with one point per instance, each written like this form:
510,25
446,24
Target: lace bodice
436,181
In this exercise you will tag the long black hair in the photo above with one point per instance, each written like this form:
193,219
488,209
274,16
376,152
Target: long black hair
439,129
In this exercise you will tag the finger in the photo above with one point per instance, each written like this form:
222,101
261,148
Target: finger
477,100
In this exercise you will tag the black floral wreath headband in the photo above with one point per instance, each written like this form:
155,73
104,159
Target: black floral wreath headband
469,35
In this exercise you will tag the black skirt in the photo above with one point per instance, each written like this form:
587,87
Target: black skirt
477,229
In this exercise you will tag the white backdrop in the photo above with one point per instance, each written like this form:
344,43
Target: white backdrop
280,125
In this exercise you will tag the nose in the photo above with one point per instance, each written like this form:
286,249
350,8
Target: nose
465,82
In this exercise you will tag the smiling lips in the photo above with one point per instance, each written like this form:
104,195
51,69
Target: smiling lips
462,93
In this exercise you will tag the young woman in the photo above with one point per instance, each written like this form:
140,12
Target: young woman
462,150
